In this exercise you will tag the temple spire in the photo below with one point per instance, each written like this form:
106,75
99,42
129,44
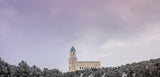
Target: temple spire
73,49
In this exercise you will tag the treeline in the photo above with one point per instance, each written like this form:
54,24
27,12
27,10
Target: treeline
149,68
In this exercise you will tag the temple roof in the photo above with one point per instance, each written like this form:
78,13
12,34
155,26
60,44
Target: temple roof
73,49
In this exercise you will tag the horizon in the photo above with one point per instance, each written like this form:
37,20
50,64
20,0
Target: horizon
110,31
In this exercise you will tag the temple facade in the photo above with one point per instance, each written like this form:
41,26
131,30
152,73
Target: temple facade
80,65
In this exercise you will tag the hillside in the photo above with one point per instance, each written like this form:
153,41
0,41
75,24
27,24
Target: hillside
149,68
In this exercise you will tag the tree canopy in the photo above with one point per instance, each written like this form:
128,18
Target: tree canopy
149,68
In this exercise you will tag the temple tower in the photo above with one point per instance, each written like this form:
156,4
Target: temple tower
72,59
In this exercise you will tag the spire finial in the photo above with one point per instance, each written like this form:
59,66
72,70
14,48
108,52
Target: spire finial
72,44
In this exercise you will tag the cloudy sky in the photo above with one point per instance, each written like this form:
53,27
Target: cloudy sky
115,32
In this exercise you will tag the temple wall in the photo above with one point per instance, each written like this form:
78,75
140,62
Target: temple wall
81,65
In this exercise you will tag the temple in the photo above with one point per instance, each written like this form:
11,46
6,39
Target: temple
80,65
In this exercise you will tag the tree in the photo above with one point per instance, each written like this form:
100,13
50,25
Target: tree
23,69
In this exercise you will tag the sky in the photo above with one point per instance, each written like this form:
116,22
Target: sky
114,32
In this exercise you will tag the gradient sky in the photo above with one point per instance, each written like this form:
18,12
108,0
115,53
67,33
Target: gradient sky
115,32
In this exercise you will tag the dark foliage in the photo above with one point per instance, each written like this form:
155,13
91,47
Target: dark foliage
142,69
